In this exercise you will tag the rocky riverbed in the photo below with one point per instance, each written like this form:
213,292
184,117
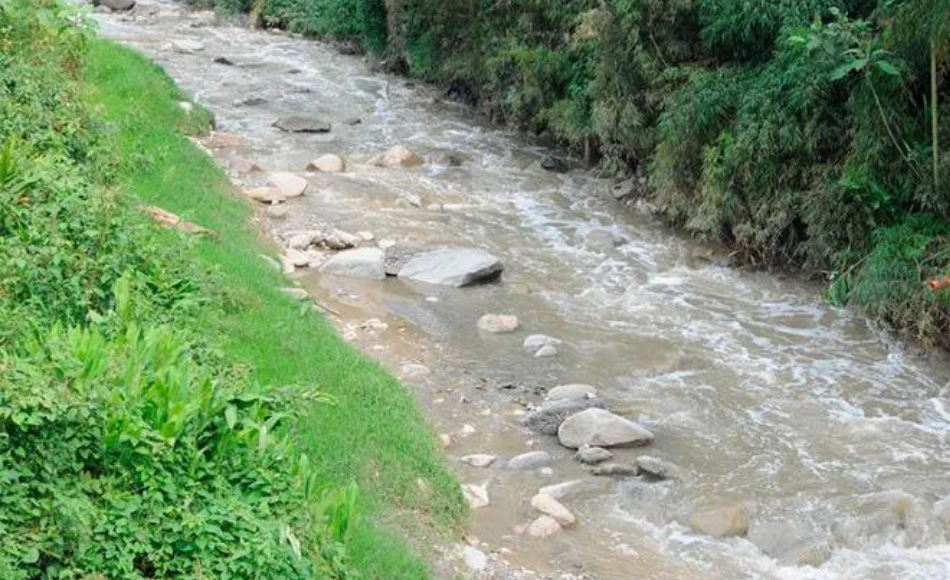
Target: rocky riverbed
617,404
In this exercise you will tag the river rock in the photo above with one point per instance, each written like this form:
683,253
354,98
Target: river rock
790,544
476,495
289,184
555,164
546,351
600,428
720,519
115,5
547,505
613,469
328,163
548,417
265,194
300,241
396,157
658,469
577,488
414,371
452,267
186,46
479,460
530,460
223,60
302,124
593,455
498,323
532,344
543,527
358,263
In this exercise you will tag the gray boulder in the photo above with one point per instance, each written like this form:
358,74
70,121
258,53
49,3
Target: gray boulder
358,263
116,5
302,124
600,428
547,418
452,267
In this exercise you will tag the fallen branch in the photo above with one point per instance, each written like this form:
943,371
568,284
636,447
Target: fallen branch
939,284
169,220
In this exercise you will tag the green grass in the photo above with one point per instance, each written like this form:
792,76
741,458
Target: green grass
373,434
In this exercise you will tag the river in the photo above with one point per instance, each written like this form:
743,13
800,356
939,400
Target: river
833,435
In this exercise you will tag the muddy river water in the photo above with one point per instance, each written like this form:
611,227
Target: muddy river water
833,436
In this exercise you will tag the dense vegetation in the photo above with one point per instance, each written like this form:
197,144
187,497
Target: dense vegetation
165,411
803,133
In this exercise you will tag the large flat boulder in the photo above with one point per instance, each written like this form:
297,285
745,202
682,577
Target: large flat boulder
600,428
358,263
452,267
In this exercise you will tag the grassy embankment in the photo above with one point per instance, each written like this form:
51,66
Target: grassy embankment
167,411
808,134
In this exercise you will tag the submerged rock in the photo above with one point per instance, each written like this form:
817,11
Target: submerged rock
302,124
555,164
396,157
358,263
545,351
544,527
530,460
600,428
576,488
498,323
790,544
452,267
658,469
720,519
534,343
328,163
549,506
593,455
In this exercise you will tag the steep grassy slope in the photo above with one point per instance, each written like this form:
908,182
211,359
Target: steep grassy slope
165,410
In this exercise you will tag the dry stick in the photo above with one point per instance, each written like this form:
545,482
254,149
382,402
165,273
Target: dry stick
934,115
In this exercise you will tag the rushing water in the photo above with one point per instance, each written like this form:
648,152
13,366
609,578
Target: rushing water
824,427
